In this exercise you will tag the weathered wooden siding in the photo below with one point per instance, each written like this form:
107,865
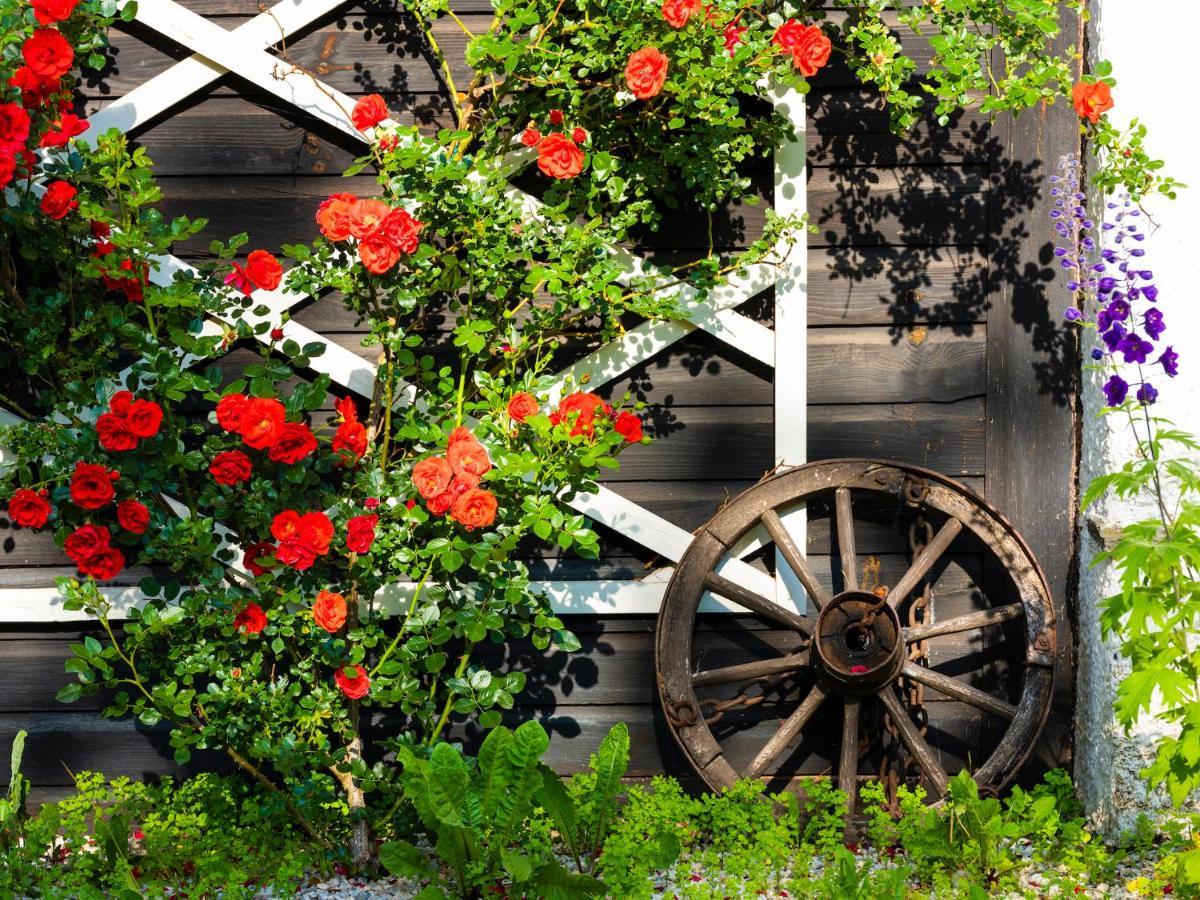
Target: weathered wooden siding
930,342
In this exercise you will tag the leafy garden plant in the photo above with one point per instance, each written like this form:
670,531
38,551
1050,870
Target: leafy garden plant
311,559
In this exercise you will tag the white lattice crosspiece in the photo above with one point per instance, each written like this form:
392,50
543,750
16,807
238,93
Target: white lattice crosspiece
244,51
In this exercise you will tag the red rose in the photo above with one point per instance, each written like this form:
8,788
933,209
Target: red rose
559,157
733,36
85,541
1091,100
442,503
431,477
556,117
629,427
579,410
466,454
811,50
365,216
35,89
14,124
47,53
329,611
105,563
91,485
295,442
114,434
250,619
145,417
522,405
230,409
530,136
646,72
371,503
230,467
276,334
264,270
67,126
59,199
402,230
261,422
28,508
133,516
256,551
8,166
47,12
301,538
351,435
353,681
787,35
579,135
378,254
677,12
368,112
360,533
475,508
119,403
333,216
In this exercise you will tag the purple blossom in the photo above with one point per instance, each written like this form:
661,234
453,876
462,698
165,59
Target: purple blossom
1072,314
1097,354
1106,284
1150,292
1115,390
1170,362
1147,393
1153,323
1135,349
1118,309
1113,336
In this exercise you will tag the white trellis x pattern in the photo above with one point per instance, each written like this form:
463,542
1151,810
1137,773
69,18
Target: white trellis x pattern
245,51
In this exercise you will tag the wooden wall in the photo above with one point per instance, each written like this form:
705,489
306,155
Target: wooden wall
932,341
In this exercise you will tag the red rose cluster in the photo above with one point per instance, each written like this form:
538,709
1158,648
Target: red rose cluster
29,508
450,483
262,271
807,44
302,538
127,422
127,277
350,438
90,548
383,233
579,412
559,156
261,423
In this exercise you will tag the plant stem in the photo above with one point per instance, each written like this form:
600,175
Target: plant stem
445,717
400,633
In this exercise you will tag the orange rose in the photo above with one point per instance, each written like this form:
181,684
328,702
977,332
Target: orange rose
1091,100
261,422
559,157
475,508
365,216
432,477
264,270
646,72
579,411
352,681
329,611
368,112
333,216
466,454
402,230
677,12
811,50
522,405
442,503
378,254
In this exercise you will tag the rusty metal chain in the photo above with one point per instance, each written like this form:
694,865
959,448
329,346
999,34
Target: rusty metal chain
684,713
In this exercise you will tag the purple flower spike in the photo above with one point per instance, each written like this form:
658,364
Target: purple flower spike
1135,349
1170,362
1147,394
1115,390
1118,309
1153,323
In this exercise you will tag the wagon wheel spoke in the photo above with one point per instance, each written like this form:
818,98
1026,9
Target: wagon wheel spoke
952,687
968,622
786,734
916,745
792,554
731,590
751,670
848,763
845,534
924,561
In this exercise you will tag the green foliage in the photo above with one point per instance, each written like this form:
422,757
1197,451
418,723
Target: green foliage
475,813
12,807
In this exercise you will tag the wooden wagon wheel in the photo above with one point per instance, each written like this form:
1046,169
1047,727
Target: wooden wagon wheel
853,646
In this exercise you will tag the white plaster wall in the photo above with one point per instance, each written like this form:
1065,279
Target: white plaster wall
1151,60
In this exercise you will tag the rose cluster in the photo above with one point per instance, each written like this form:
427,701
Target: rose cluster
382,233
559,156
451,483
1120,291
579,412
127,422
808,46
262,271
125,276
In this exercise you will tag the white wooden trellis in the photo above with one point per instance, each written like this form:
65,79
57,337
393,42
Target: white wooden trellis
245,52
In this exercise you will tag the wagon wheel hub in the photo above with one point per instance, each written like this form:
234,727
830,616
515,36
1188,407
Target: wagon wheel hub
859,645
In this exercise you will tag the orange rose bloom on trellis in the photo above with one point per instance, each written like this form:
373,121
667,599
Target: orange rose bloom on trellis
1091,100
807,44
465,454
333,216
474,508
329,611
559,156
646,72
352,681
431,477
261,422
522,405
677,12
